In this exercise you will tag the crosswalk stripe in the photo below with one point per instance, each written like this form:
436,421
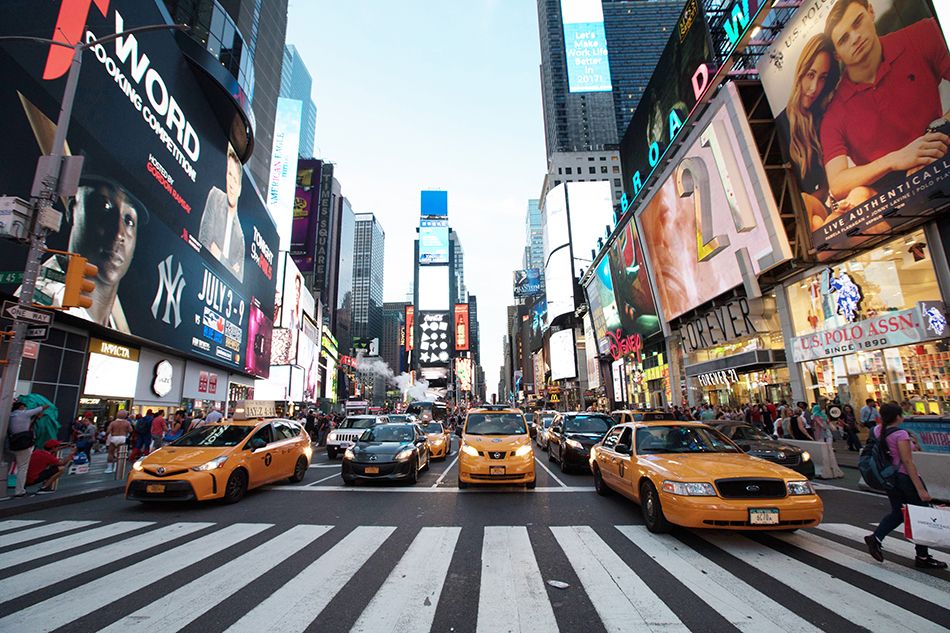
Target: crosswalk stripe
14,524
171,613
408,599
622,600
742,605
43,531
511,577
65,543
298,603
69,606
850,602
57,571
892,544
816,545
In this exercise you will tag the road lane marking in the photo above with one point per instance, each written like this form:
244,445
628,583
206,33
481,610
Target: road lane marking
408,599
297,604
512,595
548,471
76,603
444,473
824,486
489,488
65,543
892,544
320,481
622,600
172,613
324,465
847,600
739,603
14,524
43,531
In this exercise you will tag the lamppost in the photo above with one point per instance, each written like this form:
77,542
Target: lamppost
56,175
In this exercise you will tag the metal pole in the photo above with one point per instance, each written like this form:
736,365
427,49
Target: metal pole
41,204
122,461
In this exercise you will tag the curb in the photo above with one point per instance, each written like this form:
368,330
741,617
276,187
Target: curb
53,501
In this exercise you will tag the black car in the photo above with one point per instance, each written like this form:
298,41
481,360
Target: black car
572,435
758,444
387,452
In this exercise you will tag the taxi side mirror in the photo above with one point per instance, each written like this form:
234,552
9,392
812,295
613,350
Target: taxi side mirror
623,449
256,443
533,431
458,431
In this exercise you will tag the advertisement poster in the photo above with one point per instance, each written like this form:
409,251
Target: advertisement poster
283,168
538,314
463,374
585,46
631,284
434,203
184,245
603,305
433,241
714,208
563,355
869,156
303,234
461,327
527,283
434,342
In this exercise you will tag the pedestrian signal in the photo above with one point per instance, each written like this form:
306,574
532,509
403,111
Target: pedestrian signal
80,276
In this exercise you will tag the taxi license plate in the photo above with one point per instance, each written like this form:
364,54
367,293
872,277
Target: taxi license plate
763,516
371,470
496,470
155,488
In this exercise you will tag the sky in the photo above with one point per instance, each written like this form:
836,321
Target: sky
429,94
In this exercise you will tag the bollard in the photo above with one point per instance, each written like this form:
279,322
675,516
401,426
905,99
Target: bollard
122,461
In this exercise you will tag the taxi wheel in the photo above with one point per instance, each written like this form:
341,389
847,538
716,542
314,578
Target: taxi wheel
531,484
236,486
331,453
300,470
564,467
599,484
652,510
550,455
463,484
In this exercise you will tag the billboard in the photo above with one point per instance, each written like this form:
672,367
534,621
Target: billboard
410,328
433,241
183,242
868,158
563,355
538,314
435,204
558,268
322,246
283,168
631,283
713,214
434,343
585,46
303,233
461,321
433,288
603,306
463,374
527,283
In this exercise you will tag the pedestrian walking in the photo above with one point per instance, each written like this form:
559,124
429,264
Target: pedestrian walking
117,434
214,416
820,426
143,433
85,435
850,422
870,417
158,430
20,439
798,428
908,487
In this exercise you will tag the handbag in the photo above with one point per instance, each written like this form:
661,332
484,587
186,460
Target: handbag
22,440
927,525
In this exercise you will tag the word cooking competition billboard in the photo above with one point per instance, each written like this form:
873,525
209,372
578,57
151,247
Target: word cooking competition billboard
868,156
184,245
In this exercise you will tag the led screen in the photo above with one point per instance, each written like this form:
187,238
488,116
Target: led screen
563,355
527,283
631,283
585,46
433,242
435,203
283,168
590,210
433,288
603,305
111,377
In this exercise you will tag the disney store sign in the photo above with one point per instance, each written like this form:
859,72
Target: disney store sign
926,321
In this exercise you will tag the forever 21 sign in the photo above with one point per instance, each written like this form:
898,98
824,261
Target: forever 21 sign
720,325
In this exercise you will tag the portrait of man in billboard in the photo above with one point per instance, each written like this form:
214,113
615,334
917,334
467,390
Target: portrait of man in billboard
105,219
885,120
220,230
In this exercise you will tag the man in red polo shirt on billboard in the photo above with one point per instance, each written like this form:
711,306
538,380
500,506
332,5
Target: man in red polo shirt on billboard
886,115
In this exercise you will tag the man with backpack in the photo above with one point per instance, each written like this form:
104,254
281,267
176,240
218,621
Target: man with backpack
887,463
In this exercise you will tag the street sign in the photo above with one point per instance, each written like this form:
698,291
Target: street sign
11,277
12,310
37,332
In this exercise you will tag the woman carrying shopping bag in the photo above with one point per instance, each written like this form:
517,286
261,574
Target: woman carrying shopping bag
908,487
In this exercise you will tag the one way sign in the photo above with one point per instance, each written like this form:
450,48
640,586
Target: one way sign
12,310
37,332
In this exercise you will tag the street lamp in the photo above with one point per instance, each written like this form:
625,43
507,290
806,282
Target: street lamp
55,175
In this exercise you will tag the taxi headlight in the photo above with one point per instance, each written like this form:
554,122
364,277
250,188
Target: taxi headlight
575,444
523,450
332,436
689,489
806,456
137,466
348,454
308,451
215,463
469,450
798,488
404,454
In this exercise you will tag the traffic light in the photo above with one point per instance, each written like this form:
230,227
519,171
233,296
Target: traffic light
79,282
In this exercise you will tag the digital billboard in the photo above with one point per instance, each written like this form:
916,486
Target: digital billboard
461,327
283,168
585,46
558,268
433,288
157,164
434,346
303,235
433,241
527,283
563,355
463,374
603,306
435,203
713,210
631,283
537,314
410,328
590,210
868,157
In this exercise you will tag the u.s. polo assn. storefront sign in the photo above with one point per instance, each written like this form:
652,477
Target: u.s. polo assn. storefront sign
927,321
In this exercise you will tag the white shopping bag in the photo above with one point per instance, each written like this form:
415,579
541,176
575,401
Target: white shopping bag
927,526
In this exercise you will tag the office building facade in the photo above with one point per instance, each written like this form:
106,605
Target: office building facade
368,254
296,83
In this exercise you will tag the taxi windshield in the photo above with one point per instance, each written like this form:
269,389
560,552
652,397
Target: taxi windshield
681,439
547,420
358,423
434,427
587,424
495,424
388,433
216,435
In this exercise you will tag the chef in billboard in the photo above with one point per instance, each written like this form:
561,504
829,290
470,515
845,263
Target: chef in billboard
220,230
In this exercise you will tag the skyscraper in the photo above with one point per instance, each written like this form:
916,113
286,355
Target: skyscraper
296,83
340,282
534,237
392,342
458,267
368,252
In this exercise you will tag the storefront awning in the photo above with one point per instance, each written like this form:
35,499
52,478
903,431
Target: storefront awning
746,361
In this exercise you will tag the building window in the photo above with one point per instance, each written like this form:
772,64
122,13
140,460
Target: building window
603,169
593,170
615,169
616,182
567,170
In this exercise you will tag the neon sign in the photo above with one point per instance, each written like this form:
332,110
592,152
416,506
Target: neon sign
621,345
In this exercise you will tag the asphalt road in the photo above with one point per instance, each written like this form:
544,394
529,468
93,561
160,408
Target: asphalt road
320,557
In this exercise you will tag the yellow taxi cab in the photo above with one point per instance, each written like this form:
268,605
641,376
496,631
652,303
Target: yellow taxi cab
688,474
438,439
626,416
496,449
222,461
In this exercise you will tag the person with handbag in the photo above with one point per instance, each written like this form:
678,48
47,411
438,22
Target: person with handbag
20,439
908,488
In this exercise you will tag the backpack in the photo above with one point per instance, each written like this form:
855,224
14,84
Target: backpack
875,462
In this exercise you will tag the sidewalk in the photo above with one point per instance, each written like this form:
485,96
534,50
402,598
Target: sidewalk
72,489
846,458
